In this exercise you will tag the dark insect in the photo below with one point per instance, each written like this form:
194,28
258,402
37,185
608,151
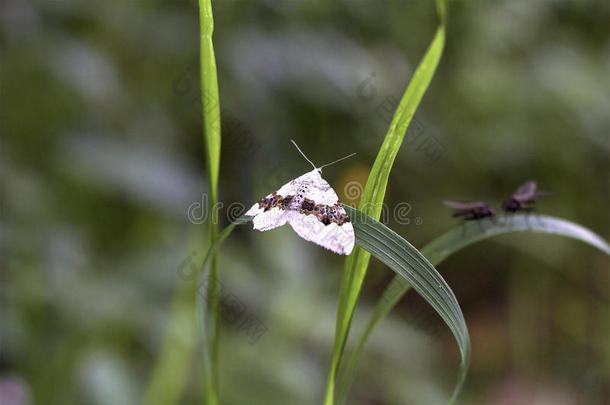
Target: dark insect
471,210
523,198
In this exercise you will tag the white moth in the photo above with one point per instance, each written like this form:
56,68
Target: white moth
311,207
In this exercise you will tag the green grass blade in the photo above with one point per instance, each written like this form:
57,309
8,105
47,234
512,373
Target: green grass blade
170,372
413,267
209,96
454,240
211,130
458,238
374,192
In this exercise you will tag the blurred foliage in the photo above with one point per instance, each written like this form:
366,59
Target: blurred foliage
101,155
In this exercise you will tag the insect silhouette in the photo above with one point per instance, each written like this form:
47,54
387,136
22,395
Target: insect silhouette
471,210
524,198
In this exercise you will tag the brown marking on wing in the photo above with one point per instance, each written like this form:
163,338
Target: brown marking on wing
275,200
326,214
307,206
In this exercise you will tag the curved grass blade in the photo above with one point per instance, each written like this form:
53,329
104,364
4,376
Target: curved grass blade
413,267
374,191
458,238
454,240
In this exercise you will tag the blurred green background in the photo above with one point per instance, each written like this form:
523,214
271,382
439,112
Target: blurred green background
101,161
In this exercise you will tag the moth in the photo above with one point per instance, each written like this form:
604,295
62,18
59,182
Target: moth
523,198
471,210
311,207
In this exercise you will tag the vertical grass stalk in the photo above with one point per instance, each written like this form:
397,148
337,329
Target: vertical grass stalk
170,373
211,132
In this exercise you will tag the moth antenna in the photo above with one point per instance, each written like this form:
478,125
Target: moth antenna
338,160
299,149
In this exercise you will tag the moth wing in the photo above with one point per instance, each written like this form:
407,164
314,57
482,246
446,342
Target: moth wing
270,219
287,189
266,220
526,191
337,238
319,191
